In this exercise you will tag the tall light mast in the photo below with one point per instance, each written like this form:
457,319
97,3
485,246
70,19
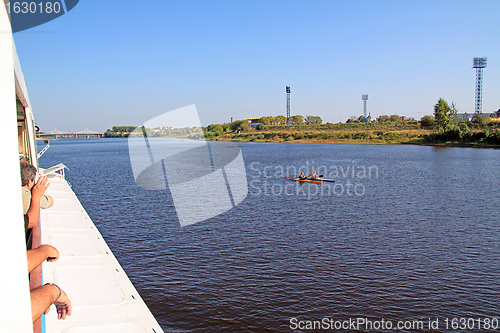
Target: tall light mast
288,105
364,98
479,64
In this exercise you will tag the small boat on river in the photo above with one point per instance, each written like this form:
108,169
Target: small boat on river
309,180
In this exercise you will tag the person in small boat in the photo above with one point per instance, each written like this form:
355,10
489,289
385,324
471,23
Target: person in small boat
302,176
314,175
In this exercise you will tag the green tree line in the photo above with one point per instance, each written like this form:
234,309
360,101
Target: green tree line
119,131
381,119
448,128
126,131
295,120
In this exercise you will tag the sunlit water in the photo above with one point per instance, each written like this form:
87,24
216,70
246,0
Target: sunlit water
412,234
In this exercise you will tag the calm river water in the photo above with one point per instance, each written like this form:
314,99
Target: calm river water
405,233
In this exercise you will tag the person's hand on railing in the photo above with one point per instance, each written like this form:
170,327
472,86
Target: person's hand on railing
52,253
44,296
63,306
41,253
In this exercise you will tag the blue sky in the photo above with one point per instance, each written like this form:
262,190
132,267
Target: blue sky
113,62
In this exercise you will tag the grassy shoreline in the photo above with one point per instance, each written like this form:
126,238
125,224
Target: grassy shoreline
370,137
481,133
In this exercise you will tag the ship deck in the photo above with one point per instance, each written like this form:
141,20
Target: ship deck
102,296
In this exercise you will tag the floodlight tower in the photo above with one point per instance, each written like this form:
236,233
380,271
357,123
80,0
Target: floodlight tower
479,64
288,105
364,98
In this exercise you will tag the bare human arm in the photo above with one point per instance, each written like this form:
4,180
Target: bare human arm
37,192
44,296
41,253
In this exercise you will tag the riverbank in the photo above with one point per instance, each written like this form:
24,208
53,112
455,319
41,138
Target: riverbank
454,144
427,137
362,137
477,134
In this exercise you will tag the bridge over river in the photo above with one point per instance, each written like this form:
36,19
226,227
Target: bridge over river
55,133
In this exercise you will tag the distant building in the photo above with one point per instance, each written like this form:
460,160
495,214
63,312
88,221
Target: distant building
470,116
465,116
370,119
253,122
